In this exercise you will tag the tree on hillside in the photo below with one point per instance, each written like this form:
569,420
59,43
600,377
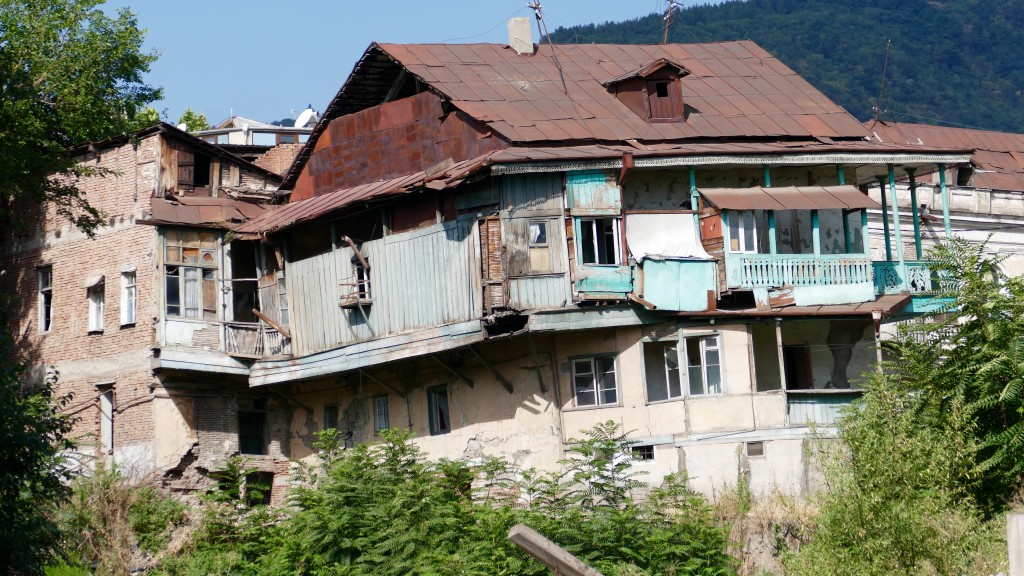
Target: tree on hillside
193,121
69,74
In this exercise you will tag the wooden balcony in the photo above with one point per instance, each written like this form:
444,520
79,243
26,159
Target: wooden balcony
750,271
254,340
914,276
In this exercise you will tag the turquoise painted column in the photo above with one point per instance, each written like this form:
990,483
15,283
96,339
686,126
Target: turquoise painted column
694,200
864,232
815,233
885,218
913,211
848,242
895,214
945,200
772,242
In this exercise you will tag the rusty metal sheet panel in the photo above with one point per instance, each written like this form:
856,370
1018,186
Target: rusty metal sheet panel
851,197
741,198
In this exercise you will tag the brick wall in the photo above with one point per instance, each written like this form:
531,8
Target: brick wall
279,158
118,355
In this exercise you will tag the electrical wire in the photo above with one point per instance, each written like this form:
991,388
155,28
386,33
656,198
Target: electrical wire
489,30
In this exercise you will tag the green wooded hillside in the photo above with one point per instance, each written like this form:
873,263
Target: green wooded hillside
959,62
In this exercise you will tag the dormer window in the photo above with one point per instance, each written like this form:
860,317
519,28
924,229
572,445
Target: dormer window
653,92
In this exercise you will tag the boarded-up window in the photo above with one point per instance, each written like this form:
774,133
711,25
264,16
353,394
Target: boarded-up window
529,246
493,269
664,100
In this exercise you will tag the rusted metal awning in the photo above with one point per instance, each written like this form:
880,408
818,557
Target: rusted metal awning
789,198
202,212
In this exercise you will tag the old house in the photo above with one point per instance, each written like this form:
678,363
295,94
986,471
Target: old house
122,316
497,248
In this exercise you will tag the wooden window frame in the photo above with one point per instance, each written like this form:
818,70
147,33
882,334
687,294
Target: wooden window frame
616,232
598,366
435,423
177,266
704,348
44,277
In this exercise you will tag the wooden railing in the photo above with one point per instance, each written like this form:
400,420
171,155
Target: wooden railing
914,276
777,270
254,339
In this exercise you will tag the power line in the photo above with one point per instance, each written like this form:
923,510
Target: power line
489,30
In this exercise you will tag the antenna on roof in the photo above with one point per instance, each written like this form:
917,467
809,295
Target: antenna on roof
669,12
542,29
881,88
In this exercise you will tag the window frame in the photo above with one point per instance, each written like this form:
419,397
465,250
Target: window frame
598,387
616,228
96,297
258,408
703,338
667,345
434,423
379,423
207,273
45,300
328,410
539,251
129,310
735,217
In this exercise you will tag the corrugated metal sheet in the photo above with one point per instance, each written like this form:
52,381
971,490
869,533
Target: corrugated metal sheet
998,156
418,279
204,211
788,198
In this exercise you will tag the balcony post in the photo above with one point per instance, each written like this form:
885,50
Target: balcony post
945,200
772,241
864,232
913,211
885,219
848,242
694,198
815,233
896,215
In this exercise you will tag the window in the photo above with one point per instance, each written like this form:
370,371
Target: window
45,277
106,418
252,425
190,273
380,413
599,241
282,297
437,407
664,100
331,416
362,275
643,453
537,245
593,381
95,296
703,365
755,449
128,298
742,231
661,371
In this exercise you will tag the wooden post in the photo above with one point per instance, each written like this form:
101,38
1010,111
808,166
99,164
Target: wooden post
1015,542
772,240
913,212
885,218
694,198
560,561
897,225
945,200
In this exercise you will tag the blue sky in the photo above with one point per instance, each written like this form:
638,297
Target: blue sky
264,59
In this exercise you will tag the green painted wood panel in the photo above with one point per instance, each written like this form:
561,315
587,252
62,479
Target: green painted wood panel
683,285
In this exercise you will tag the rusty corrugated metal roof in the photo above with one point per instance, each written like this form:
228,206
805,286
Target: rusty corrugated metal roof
202,212
788,198
312,208
998,156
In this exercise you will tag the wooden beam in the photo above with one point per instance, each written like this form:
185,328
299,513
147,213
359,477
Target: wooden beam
393,91
380,383
632,296
273,324
558,559
355,250
454,372
498,375
536,363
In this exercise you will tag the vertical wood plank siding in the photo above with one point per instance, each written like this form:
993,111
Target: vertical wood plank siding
418,279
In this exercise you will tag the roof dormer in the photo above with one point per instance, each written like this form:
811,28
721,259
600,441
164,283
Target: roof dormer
652,92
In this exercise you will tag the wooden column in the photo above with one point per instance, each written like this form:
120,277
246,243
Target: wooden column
896,216
772,241
913,211
885,219
945,200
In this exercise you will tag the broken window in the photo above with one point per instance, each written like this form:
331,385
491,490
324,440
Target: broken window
661,371
380,413
129,297
190,274
594,381
703,365
437,407
362,278
252,426
796,359
742,231
538,247
45,277
599,241
97,305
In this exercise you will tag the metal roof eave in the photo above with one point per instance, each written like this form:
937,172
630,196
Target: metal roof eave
918,158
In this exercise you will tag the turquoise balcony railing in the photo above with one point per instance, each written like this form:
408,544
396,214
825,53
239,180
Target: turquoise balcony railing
914,276
749,271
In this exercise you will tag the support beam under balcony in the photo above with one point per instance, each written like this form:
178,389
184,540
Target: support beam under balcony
913,212
885,219
945,200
